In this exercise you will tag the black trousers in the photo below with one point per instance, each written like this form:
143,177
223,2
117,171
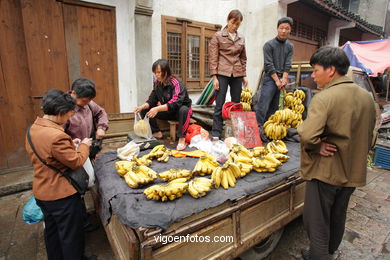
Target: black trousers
64,235
324,217
183,115
235,93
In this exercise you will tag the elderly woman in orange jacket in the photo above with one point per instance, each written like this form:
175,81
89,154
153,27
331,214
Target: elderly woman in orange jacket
61,204
227,58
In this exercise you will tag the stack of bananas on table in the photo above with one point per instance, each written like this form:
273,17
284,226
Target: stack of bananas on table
173,174
159,152
173,190
277,146
246,99
144,160
275,131
205,165
139,175
268,163
294,100
199,187
122,167
226,175
242,157
259,151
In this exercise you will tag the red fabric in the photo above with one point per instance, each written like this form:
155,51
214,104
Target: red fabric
230,107
192,130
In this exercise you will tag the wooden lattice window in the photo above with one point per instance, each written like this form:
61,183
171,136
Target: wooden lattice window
185,46
305,31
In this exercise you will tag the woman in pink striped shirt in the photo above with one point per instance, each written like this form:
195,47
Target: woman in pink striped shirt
168,101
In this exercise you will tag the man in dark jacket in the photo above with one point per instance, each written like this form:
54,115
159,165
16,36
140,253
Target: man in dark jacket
278,53
335,140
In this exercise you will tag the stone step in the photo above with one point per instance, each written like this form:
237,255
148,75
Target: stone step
15,181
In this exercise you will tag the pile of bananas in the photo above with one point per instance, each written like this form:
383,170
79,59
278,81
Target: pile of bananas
173,190
173,174
226,175
199,187
205,165
159,152
294,100
275,131
242,157
139,175
246,99
259,151
123,167
268,163
277,146
144,160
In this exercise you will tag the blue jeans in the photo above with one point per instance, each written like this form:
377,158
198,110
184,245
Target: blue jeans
268,102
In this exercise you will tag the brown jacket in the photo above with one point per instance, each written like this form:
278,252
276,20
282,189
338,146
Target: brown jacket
345,114
55,147
227,57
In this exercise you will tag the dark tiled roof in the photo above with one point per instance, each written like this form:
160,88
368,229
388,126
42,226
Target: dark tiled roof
335,10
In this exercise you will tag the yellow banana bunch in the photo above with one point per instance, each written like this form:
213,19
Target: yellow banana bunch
199,187
267,163
173,174
173,190
281,157
159,152
139,175
277,146
246,107
205,165
144,160
240,150
122,167
246,99
300,94
275,131
226,175
295,100
165,156
259,151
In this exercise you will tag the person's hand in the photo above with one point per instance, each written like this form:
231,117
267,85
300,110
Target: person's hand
100,133
284,81
76,141
215,83
152,112
87,141
140,108
327,149
245,82
279,84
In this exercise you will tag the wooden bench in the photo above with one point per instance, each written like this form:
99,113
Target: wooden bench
173,128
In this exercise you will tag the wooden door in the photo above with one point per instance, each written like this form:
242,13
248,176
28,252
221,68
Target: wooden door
91,47
303,50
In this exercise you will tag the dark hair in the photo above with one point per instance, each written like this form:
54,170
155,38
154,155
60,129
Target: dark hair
288,20
331,56
84,88
164,66
235,14
57,102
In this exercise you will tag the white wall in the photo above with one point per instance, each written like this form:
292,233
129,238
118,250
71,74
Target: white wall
125,51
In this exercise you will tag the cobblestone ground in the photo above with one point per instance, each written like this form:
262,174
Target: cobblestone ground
367,234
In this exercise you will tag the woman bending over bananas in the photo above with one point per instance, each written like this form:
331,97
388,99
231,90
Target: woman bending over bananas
168,101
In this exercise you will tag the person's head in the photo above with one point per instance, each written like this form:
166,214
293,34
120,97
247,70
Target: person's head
328,63
161,70
234,20
284,28
58,104
83,91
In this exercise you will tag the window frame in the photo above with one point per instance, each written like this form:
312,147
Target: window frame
188,28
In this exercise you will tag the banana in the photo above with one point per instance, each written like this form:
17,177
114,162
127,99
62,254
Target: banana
193,192
217,177
230,177
224,180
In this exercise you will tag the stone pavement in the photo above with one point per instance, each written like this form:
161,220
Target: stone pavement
367,234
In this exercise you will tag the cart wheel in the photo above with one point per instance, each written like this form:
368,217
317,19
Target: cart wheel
264,248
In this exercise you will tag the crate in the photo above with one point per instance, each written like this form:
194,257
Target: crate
382,156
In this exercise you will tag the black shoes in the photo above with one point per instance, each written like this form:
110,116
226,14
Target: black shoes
305,254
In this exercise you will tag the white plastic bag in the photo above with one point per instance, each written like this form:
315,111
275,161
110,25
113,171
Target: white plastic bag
220,151
91,172
142,126
200,143
128,151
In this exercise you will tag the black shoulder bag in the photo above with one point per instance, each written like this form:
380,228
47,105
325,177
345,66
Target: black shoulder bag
96,145
78,178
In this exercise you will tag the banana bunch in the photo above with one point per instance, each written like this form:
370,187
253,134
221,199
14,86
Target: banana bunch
281,157
259,151
122,167
268,163
226,175
199,187
144,160
294,100
205,165
275,131
242,157
277,146
173,190
159,152
297,120
139,175
246,99
173,174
